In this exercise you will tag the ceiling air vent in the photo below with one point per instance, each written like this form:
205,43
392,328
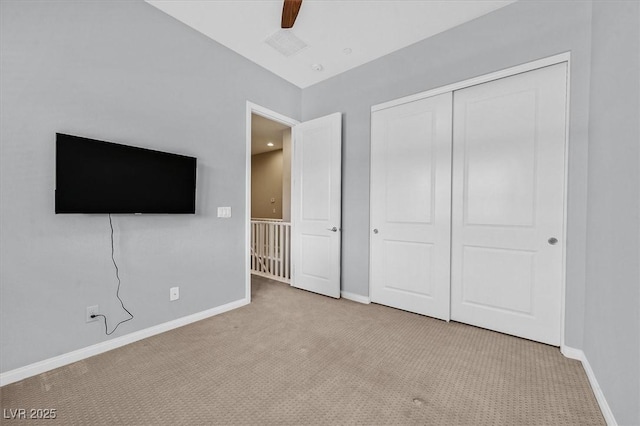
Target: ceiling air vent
285,42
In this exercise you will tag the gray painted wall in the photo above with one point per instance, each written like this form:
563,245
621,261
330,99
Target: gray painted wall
519,33
612,311
128,73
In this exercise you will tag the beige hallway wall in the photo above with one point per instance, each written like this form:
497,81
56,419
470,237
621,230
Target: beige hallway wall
286,175
266,185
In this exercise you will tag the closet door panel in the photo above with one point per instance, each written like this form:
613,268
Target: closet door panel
411,206
507,204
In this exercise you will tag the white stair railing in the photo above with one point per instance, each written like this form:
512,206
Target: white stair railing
270,249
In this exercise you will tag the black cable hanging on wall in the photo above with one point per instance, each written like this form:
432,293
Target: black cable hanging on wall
113,259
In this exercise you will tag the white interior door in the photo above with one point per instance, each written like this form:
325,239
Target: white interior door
508,192
411,206
315,206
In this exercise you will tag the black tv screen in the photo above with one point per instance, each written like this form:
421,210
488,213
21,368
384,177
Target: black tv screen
103,177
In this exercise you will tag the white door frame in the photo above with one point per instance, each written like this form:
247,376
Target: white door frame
518,69
252,108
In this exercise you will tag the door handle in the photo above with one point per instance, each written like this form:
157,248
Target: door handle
334,229
375,230
553,241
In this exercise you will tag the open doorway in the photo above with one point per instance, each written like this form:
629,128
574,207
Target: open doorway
311,261
268,194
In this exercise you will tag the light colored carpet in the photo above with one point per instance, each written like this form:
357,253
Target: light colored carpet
295,358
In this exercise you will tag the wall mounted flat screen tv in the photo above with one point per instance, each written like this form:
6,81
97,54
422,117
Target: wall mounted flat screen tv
103,177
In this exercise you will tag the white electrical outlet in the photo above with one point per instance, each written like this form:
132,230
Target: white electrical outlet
174,293
92,310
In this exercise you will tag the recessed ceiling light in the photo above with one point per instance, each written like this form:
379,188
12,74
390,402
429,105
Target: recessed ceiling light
270,144
317,67
347,51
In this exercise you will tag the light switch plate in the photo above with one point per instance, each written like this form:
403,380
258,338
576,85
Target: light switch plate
224,212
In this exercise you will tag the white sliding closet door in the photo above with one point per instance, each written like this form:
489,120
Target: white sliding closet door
411,206
507,206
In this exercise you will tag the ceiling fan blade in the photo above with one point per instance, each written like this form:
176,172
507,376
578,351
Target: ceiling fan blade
290,10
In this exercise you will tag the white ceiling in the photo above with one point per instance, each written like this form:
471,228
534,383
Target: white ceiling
264,131
370,28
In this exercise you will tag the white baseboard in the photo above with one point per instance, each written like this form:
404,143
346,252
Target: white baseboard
572,353
355,297
602,402
80,354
